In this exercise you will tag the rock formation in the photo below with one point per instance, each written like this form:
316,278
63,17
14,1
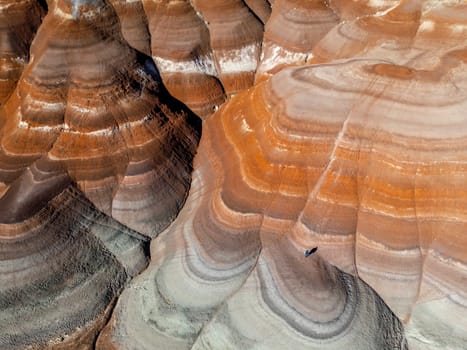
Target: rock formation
350,144
61,271
93,103
133,24
292,31
387,35
181,48
89,139
283,167
206,49
19,20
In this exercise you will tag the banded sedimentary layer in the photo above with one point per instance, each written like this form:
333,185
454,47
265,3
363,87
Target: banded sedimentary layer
388,34
357,151
292,31
181,48
133,24
284,167
206,50
19,20
296,27
89,139
61,271
91,102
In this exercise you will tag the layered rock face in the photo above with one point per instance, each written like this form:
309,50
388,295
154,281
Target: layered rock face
326,202
284,167
91,145
98,107
292,31
61,271
18,23
206,49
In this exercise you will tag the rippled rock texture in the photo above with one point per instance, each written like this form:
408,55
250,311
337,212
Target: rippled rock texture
341,128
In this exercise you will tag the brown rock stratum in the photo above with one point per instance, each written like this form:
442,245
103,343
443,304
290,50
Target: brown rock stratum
18,23
335,124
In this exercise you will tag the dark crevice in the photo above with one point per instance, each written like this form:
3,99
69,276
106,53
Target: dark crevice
43,4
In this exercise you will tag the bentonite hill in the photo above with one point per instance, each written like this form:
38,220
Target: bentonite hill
233,174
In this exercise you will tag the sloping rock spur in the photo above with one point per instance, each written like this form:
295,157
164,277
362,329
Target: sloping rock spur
406,32
296,27
413,33
196,265
206,50
289,302
181,48
93,103
291,33
393,186
442,29
386,34
19,20
62,268
283,167
134,24
89,139
235,37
